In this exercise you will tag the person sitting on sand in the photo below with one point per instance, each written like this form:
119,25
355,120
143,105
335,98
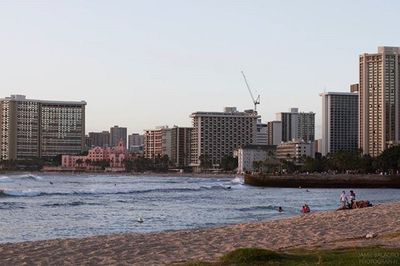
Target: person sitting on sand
343,200
305,209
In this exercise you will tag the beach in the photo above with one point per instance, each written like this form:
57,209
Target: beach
319,230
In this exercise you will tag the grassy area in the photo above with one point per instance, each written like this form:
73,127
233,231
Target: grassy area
354,256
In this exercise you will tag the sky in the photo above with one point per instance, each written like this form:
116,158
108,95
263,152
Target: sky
142,64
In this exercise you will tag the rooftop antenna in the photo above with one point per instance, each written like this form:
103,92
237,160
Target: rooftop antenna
255,101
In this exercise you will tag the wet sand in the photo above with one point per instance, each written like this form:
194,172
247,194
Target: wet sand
320,230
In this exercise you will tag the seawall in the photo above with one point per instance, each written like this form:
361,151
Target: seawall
323,181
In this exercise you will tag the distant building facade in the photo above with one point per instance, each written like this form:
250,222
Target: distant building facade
290,124
379,104
155,143
99,139
339,122
116,134
251,153
274,132
174,142
39,128
136,142
294,150
218,134
262,133
114,155
306,126
297,126
181,140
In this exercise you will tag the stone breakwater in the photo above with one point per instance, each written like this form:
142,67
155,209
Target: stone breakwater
319,230
323,181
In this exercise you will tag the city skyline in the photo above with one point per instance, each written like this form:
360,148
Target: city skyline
135,62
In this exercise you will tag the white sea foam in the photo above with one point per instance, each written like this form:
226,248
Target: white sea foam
20,193
2,177
238,180
30,176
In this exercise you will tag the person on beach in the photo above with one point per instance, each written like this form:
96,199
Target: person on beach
343,200
352,198
305,209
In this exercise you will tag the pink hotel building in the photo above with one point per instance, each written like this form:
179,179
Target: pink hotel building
115,155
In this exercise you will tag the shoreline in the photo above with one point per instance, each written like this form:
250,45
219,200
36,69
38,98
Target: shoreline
316,230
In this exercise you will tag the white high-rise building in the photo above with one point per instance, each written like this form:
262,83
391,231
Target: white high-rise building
218,134
339,122
39,128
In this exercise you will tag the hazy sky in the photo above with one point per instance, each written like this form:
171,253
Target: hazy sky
142,64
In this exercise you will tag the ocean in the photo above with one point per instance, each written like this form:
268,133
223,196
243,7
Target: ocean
47,206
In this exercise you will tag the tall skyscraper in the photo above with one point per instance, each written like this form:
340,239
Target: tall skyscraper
379,100
339,122
116,134
218,134
38,128
297,126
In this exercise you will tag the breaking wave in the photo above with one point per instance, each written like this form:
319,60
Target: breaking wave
31,193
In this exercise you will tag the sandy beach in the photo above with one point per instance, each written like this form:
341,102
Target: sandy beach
319,230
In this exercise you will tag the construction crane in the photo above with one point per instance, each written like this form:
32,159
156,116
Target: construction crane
255,101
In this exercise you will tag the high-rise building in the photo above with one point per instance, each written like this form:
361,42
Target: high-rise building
290,124
38,128
99,139
218,134
180,145
262,133
174,142
153,142
306,126
297,126
339,122
116,134
136,142
274,132
379,100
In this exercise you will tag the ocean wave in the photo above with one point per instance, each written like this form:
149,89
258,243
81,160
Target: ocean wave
238,180
258,208
69,204
18,193
31,193
33,177
11,205
3,177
